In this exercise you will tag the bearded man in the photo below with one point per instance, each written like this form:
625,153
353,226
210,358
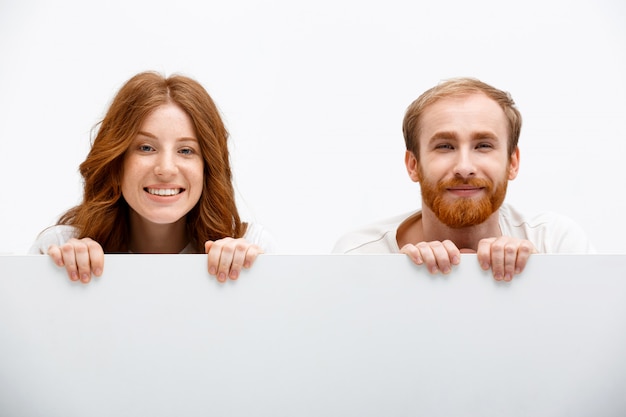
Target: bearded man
461,147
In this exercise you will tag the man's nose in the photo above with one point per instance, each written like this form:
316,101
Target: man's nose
464,165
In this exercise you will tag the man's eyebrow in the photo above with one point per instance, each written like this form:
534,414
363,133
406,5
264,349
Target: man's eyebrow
484,135
444,135
450,135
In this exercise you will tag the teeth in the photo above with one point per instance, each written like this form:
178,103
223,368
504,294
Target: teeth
164,191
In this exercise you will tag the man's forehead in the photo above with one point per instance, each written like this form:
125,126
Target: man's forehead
474,110
467,114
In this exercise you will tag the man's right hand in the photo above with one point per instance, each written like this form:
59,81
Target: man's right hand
437,256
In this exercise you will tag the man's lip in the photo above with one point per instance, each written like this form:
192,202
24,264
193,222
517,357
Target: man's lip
465,188
465,191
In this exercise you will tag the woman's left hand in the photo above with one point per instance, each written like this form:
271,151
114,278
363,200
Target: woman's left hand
227,256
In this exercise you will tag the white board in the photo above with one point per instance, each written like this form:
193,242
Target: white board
332,335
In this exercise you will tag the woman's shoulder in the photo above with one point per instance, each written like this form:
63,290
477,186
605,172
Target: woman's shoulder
53,235
258,235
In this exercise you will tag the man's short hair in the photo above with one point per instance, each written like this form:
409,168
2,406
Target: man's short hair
457,87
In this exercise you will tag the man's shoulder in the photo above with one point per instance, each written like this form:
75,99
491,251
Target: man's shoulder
376,237
550,232
512,217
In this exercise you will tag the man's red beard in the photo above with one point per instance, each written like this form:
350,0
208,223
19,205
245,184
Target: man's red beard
464,211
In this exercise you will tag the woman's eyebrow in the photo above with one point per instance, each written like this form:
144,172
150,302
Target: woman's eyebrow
181,139
150,135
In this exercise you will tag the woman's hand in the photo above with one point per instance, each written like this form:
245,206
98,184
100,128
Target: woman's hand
227,256
82,258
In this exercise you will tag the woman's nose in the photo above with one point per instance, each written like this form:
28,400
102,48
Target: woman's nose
166,165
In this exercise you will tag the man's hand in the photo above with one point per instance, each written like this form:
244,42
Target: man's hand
437,256
506,256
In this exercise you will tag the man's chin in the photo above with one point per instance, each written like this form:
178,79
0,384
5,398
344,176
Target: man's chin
460,216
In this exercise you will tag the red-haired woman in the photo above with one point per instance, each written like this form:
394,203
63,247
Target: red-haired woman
157,180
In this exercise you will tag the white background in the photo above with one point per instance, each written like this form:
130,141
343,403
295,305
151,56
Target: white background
313,94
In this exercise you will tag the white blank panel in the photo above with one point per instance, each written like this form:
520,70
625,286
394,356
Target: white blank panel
307,335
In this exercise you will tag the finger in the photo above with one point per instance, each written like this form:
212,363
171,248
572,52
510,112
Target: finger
226,260
483,253
442,256
413,253
431,252
213,252
510,259
454,254
83,263
253,252
239,258
96,257
244,256
523,254
219,254
69,259
497,259
55,253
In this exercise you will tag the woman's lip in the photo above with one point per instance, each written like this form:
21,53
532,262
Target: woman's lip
164,191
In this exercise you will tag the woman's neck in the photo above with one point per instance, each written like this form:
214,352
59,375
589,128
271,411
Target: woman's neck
148,237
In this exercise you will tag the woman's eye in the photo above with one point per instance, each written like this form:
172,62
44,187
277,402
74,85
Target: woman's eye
187,151
145,148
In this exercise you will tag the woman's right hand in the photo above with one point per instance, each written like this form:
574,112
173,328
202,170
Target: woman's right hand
81,258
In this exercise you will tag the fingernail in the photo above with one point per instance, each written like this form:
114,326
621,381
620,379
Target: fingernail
212,270
434,270
234,274
97,272
508,277
498,277
222,277
85,277
74,276
455,260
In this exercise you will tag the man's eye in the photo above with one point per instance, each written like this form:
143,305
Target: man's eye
484,146
444,146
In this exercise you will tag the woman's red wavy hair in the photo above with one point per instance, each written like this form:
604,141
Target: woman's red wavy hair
103,214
